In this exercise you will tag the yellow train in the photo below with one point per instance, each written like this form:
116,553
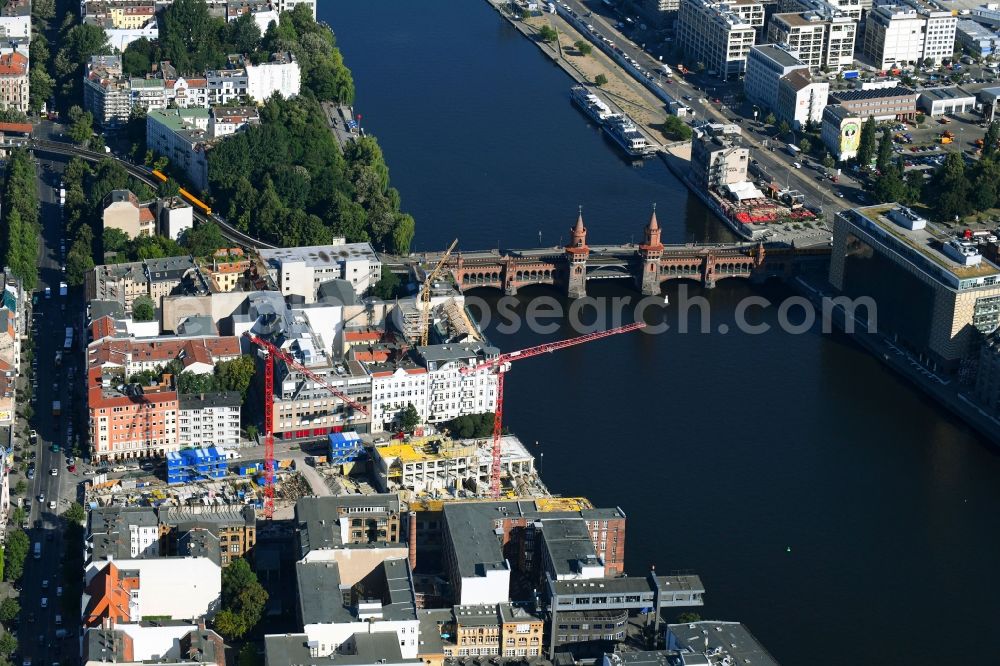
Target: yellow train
191,199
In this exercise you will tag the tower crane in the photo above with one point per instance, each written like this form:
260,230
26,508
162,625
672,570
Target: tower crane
270,352
502,362
425,295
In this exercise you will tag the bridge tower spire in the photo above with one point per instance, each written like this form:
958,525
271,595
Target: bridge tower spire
650,252
577,254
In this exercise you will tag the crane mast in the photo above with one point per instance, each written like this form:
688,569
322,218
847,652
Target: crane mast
425,295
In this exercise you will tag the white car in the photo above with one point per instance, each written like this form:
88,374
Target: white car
45,602
797,165
54,471
52,505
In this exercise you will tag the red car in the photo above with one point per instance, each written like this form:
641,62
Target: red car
72,469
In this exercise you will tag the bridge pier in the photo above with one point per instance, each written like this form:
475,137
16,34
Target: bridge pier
510,289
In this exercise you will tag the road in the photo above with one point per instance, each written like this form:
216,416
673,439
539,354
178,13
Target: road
699,98
43,576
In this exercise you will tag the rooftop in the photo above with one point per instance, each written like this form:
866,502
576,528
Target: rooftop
953,92
926,243
778,54
731,638
319,256
876,93
210,400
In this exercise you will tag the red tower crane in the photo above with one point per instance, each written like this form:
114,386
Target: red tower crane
270,352
501,362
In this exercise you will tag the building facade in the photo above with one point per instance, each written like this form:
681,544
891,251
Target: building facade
301,270
896,103
718,35
718,157
909,32
14,81
801,100
766,64
209,419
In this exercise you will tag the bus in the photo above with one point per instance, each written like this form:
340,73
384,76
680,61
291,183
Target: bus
793,150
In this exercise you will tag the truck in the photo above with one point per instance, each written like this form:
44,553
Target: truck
56,408
793,150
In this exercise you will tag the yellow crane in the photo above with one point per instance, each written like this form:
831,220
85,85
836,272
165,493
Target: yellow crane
425,295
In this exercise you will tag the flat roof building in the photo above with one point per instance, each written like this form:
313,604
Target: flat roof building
301,270
897,103
941,101
952,294
909,32
719,34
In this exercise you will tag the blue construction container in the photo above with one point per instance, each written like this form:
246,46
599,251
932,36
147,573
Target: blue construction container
190,465
345,447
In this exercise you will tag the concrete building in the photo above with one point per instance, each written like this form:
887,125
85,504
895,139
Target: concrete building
173,588
941,101
149,643
953,295
718,157
227,269
987,388
818,33
976,39
717,34
123,211
330,523
105,92
909,32
209,419
175,217
766,64
280,76
301,270
14,81
395,386
896,103
841,132
987,14
361,649
229,120
727,642
800,99
264,13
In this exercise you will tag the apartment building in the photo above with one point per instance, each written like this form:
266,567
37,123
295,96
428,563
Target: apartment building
452,389
209,419
123,211
395,385
197,355
123,283
301,270
129,420
324,524
227,269
718,157
15,20
909,32
484,630
105,92
181,135
14,81
718,35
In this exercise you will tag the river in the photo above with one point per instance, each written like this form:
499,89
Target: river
824,501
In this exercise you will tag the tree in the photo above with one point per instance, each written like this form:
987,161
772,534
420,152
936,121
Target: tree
248,655
19,515
547,33
805,145
75,513
82,127
243,599
866,145
889,186
885,150
387,286
688,617
828,161
919,118
203,239
991,140
676,128
190,36
236,375
948,195
143,309
769,119
471,426
15,552
985,184
410,418
114,240
583,47
8,644
784,128
20,488
9,609
928,62
600,80
915,184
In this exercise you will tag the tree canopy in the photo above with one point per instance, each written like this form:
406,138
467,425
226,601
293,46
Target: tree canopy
471,426
15,551
143,309
866,144
243,599
286,181
20,231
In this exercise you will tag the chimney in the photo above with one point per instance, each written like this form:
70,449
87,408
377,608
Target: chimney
412,537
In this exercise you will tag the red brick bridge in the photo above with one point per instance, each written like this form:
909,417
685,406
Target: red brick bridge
648,264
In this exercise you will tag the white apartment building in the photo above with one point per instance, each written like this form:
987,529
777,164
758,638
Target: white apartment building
393,390
301,270
289,5
105,92
718,35
281,75
908,32
800,99
766,64
177,588
209,419
452,393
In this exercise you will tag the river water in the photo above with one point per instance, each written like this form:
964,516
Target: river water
825,502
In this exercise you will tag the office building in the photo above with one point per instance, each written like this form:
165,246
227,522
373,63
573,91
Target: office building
895,103
820,34
181,135
987,388
800,99
766,64
952,294
718,35
909,32
301,270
